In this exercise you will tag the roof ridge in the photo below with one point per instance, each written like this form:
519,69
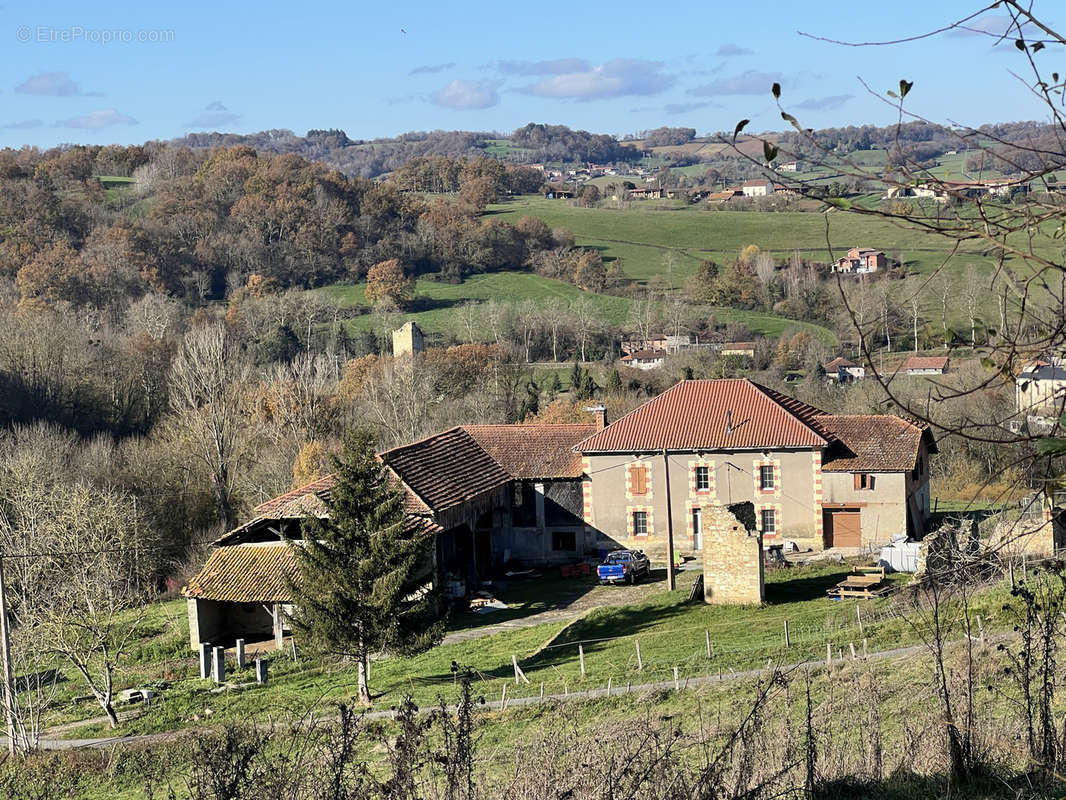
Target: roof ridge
772,395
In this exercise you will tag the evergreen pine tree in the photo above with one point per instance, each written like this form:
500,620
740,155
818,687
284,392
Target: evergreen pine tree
575,376
588,386
614,383
358,587
554,385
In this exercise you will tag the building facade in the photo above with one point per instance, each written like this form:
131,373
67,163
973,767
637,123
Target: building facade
815,479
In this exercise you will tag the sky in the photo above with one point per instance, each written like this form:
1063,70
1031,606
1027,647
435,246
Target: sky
116,72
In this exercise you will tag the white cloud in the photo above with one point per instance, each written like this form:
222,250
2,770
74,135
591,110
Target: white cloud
749,82
619,77
22,125
830,103
431,69
555,66
729,49
214,115
53,84
464,95
95,120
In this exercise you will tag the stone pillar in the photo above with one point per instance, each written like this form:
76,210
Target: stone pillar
538,494
205,660
279,634
218,664
732,555
261,671
240,654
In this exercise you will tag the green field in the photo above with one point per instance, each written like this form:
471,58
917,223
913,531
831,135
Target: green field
642,235
671,633
441,299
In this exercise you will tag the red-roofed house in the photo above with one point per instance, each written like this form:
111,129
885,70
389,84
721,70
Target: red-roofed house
817,479
861,260
843,371
926,365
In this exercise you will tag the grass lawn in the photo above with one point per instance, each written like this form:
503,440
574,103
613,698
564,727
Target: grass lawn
671,632
437,302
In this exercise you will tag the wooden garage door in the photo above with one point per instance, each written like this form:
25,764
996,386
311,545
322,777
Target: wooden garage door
843,528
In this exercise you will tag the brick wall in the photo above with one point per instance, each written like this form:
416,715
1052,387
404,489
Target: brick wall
732,555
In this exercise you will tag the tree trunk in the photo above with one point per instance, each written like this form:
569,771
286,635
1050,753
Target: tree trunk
112,717
364,686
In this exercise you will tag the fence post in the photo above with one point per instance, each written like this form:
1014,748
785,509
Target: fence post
864,648
542,690
503,698
240,654
858,616
828,654
852,646
786,634
677,686
640,661
261,671
581,655
981,630
609,679
707,636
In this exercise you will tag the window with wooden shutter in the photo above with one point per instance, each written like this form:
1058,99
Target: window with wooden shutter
864,481
638,479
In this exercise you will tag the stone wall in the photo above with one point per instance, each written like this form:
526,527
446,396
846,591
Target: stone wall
1035,534
950,545
732,556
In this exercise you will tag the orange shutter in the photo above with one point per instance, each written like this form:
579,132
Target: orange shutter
638,477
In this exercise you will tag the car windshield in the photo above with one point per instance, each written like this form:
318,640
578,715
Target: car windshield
617,558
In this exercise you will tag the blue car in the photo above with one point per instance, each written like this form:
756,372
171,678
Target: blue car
623,566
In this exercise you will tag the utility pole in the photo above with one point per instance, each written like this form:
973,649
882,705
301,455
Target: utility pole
5,651
671,582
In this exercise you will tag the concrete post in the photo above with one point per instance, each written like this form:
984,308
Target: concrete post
538,498
205,660
240,654
261,671
218,665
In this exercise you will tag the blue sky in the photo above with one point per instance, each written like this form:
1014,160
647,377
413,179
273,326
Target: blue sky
129,72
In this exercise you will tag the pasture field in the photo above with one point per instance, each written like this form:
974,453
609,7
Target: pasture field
435,308
671,633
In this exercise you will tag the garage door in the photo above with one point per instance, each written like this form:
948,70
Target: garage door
843,528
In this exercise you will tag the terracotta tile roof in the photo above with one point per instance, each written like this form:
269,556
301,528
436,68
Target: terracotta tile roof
926,362
644,355
533,451
249,573
736,414
837,363
446,469
869,443
296,502
738,345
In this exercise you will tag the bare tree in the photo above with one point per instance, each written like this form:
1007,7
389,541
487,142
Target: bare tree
208,394
85,603
555,315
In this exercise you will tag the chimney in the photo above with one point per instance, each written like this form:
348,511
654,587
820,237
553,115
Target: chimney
600,410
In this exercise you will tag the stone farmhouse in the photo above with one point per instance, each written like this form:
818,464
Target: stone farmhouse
498,496
926,365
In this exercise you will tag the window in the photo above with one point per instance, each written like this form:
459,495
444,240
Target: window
864,481
640,523
564,540
768,517
703,479
766,478
638,479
